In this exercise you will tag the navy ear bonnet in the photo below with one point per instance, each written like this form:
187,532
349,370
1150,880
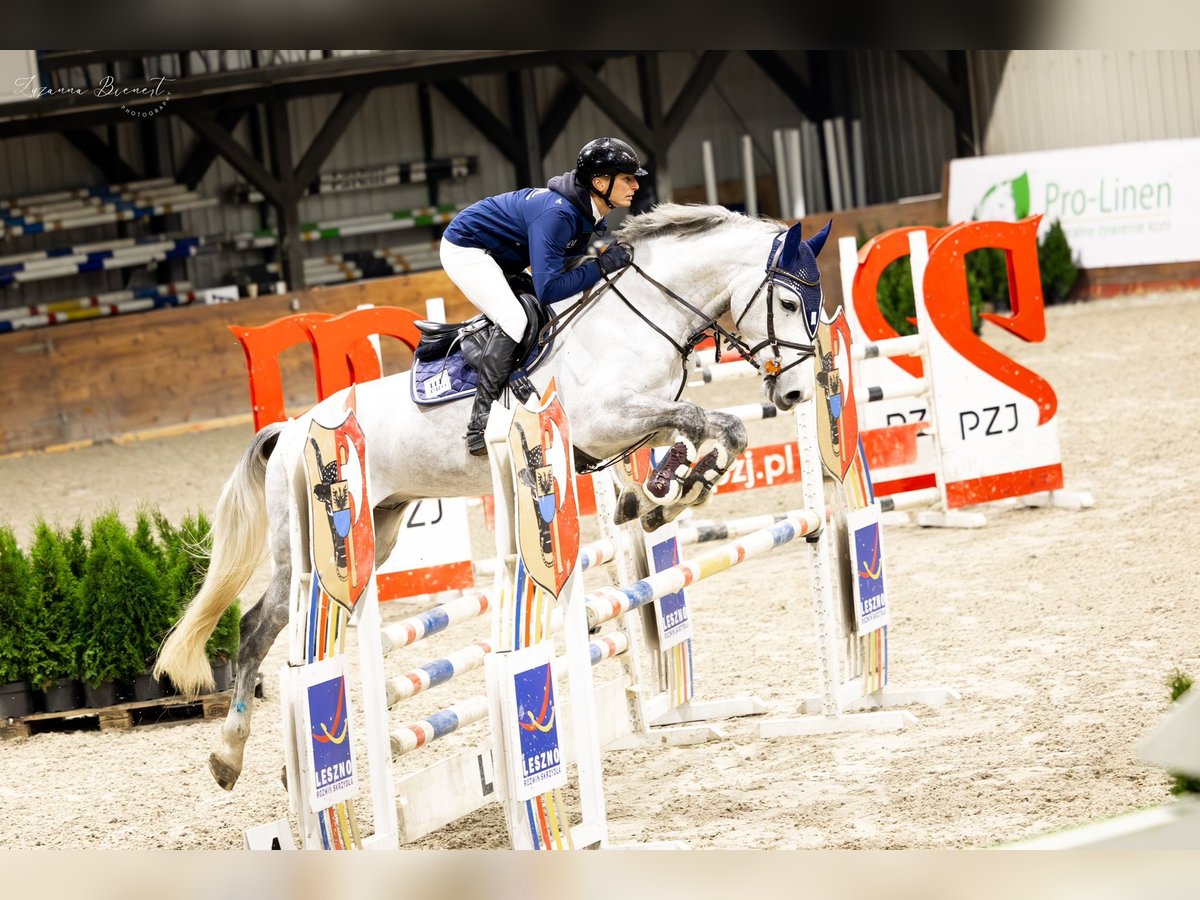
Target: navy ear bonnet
796,268
799,256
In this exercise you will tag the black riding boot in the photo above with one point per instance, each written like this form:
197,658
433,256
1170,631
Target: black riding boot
496,364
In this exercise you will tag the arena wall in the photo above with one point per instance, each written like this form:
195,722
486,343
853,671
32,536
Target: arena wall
107,378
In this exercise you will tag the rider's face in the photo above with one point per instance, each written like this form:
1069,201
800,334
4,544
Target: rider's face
622,192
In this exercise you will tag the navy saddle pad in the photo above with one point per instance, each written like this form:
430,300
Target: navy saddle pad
442,369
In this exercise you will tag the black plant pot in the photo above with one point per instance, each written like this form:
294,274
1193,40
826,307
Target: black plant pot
62,695
147,687
222,674
16,700
100,696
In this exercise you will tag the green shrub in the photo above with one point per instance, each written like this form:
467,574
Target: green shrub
143,539
227,635
1180,684
895,295
1059,272
54,645
988,270
15,609
186,550
123,605
76,549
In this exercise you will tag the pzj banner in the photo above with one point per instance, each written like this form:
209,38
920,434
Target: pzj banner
1119,204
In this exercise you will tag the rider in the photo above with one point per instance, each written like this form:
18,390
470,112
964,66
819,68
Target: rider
547,230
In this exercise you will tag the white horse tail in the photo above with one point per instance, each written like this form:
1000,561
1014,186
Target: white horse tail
239,531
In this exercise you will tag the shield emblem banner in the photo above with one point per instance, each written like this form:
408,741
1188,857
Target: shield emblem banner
544,474
837,414
341,529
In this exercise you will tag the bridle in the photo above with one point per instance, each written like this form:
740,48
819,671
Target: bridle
770,369
774,276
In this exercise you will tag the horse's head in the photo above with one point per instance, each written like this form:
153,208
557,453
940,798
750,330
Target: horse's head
779,322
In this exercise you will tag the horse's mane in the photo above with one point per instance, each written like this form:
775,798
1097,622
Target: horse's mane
683,220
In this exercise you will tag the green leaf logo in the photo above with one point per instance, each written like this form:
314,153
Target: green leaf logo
1005,201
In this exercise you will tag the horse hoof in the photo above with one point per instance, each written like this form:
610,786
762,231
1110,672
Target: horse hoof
654,520
225,774
627,508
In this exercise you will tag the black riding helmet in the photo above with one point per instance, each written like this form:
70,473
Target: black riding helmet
607,156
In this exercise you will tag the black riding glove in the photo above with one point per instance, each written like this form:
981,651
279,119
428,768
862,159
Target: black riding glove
614,257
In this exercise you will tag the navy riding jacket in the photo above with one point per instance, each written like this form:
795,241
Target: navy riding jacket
539,228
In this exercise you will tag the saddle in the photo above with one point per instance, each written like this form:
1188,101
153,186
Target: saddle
447,356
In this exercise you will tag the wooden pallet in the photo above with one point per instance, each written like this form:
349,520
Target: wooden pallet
121,717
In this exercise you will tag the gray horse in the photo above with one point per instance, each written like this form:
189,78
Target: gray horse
619,370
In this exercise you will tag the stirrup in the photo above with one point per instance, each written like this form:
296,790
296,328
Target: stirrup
476,445
523,388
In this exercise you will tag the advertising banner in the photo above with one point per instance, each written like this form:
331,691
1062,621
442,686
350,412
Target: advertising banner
1119,204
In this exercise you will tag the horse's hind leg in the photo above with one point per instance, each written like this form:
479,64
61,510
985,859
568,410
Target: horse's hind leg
260,627
261,624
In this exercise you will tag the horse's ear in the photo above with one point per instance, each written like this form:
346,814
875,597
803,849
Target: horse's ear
791,248
817,241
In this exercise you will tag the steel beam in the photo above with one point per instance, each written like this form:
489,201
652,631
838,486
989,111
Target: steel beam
205,125
522,103
657,184
611,105
246,87
951,88
693,89
562,107
204,153
795,88
102,155
287,205
326,139
425,110
465,101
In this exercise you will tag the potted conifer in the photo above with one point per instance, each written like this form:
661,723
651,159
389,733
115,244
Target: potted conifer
16,699
185,557
222,647
54,646
162,612
121,603
186,550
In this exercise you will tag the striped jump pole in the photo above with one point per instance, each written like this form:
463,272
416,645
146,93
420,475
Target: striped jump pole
606,604
590,555
712,372
469,606
437,725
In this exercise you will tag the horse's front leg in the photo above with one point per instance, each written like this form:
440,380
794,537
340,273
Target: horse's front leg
728,436
685,426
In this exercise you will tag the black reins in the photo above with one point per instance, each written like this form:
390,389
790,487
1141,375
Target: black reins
774,276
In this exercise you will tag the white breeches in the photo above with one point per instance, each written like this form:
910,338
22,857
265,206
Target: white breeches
478,276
